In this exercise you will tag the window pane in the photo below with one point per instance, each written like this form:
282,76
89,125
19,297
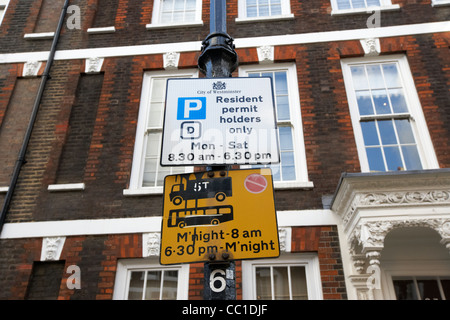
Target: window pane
375,77
364,103
381,101
372,3
428,289
155,115
283,108
281,93
189,16
190,4
393,158
404,131
405,290
136,285
375,158
285,138
280,283
288,166
170,285
391,75
358,4
412,158
251,12
153,285
281,83
387,132
179,5
178,16
287,154
166,17
263,286
446,287
263,10
359,78
275,9
370,134
298,283
149,172
167,5
398,100
153,141
343,4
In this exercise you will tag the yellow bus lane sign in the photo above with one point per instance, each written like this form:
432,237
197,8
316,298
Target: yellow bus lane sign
219,216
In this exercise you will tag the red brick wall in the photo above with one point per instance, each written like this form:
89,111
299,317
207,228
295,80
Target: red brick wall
97,258
130,19
323,104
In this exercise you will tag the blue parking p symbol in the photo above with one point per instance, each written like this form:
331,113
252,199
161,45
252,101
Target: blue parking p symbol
191,108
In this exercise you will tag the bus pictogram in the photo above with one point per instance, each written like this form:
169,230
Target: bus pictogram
201,188
213,215
206,185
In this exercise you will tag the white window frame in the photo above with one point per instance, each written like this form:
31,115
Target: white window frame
138,164
285,12
126,266
156,20
3,7
439,3
308,260
295,121
417,119
385,5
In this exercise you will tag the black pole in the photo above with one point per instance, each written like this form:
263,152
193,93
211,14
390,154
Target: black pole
218,60
21,158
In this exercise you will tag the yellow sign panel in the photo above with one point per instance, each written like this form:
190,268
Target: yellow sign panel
219,216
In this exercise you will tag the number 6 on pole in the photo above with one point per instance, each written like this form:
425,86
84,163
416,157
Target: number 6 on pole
213,278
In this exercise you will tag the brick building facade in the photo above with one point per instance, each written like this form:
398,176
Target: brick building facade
362,192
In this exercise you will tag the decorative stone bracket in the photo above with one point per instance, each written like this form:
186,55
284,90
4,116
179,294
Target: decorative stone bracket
52,248
150,244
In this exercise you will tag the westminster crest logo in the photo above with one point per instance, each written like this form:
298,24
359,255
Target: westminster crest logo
219,85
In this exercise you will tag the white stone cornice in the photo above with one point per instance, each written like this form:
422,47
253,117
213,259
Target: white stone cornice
372,205
253,42
359,192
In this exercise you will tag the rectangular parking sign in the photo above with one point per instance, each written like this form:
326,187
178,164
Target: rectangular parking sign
219,121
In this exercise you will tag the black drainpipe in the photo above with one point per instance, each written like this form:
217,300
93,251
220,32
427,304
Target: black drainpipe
21,158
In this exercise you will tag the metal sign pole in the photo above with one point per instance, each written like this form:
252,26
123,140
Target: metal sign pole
218,60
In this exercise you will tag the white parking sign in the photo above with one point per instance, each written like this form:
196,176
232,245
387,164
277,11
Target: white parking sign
219,121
